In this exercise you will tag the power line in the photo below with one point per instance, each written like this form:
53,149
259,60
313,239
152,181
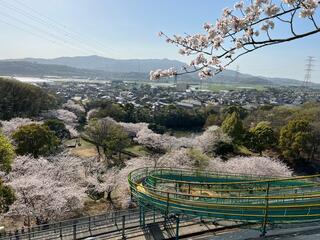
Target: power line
48,35
27,31
60,33
65,29
52,35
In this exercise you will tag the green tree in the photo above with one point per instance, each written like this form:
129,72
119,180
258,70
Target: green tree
232,125
20,99
95,132
35,139
212,119
107,135
115,142
6,197
200,159
242,113
157,128
144,114
223,148
174,117
262,137
296,140
6,154
82,121
112,110
58,127
315,152
130,112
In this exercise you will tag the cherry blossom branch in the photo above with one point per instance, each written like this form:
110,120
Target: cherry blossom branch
239,31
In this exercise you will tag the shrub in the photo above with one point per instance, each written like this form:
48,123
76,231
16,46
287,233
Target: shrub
35,139
6,154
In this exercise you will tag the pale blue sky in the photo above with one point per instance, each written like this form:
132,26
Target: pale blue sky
128,29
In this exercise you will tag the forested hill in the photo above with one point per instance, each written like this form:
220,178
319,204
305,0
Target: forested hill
35,69
22,68
109,64
23,100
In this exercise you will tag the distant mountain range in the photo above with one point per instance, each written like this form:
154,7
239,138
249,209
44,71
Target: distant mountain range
31,69
109,64
117,69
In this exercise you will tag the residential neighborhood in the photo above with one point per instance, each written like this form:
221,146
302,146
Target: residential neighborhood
182,95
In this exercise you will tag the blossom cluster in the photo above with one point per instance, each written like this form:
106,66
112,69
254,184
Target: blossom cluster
9,127
159,73
309,7
55,187
263,166
164,142
239,30
74,107
133,128
46,188
67,117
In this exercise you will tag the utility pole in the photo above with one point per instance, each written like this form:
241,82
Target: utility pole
308,70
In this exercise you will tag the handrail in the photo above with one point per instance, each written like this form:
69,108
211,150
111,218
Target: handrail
294,196
82,226
208,193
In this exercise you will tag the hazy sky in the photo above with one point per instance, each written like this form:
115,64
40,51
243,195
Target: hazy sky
128,29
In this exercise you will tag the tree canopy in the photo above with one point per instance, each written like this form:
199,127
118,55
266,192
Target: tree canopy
108,135
35,139
58,127
23,100
6,154
232,125
262,137
170,116
296,139
6,197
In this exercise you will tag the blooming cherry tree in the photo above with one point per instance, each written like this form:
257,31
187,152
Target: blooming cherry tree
74,107
46,190
176,158
133,128
248,26
263,166
67,117
209,139
163,142
9,127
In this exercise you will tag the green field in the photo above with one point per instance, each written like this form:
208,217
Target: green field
87,149
211,86
219,87
138,150
183,133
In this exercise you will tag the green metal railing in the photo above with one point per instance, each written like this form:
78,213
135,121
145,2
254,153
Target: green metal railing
248,198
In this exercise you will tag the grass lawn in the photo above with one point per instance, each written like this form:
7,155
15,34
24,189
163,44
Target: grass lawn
138,150
183,133
89,150
242,150
85,150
